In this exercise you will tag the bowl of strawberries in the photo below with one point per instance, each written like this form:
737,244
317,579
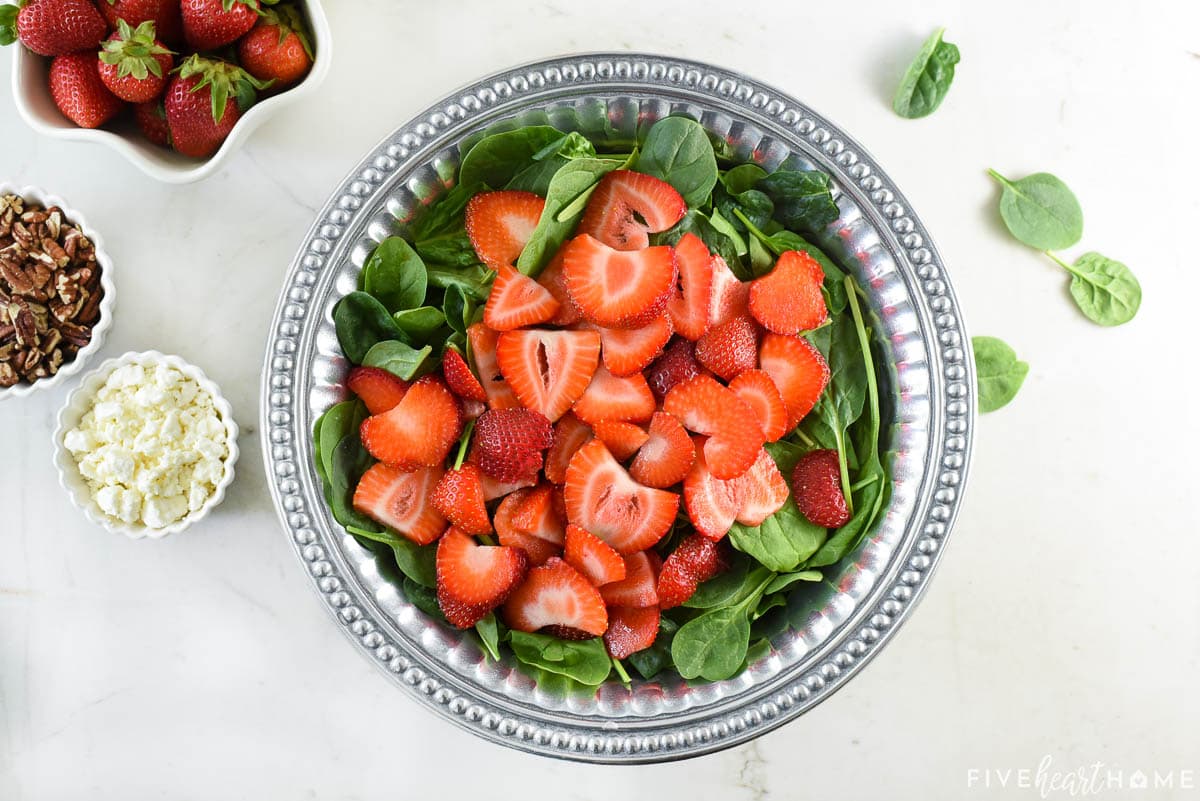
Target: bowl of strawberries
173,86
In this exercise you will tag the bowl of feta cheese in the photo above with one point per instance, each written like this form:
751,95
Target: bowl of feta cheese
146,445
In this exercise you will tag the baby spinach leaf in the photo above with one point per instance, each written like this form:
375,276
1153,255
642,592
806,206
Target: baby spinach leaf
399,359
458,309
475,281
803,198
678,151
725,588
424,598
752,203
338,421
537,176
651,661
782,542
1105,290
785,580
742,178
1040,210
420,323
349,461
1000,373
585,661
568,190
418,562
769,601
361,322
395,275
713,645
495,160
724,226
488,629
718,242
453,249
445,215
927,79
867,503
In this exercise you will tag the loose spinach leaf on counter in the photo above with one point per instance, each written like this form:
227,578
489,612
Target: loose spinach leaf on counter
584,661
361,322
395,275
678,151
1105,290
803,198
1040,211
399,359
999,372
927,79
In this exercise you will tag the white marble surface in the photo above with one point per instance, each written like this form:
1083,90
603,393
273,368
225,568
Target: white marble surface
1064,618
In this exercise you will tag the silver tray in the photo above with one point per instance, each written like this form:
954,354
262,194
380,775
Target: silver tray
837,626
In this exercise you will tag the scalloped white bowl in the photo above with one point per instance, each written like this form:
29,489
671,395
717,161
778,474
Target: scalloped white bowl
107,304
31,92
77,406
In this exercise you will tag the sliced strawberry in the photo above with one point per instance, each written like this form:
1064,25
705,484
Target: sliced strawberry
593,557
535,513
483,354
493,489
730,297
459,498
762,490
380,390
788,299
639,588
471,409
473,579
508,444
758,389
548,370
622,439
614,288
667,455
689,303
602,498
630,630
555,594
712,504
400,500
626,351
537,548
817,484
677,364
419,431
707,407
516,301
500,223
459,378
628,206
798,370
730,348
552,279
570,433
610,398
694,560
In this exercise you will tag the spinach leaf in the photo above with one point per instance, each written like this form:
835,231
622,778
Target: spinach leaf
338,421
424,598
395,275
445,215
417,562
458,309
678,151
1105,290
999,371
488,629
752,203
495,160
725,588
537,176
927,79
399,359
475,281
349,461
420,324
713,645
785,580
782,542
803,198
361,322
584,661
742,178
452,249
651,661
1040,211
724,226
566,197
868,501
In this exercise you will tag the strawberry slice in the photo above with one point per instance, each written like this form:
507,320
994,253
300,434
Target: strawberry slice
500,223
552,279
630,630
615,288
459,378
474,579
758,389
729,297
458,496
788,299
762,490
570,434
508,443
610,398
380,390
817,483
556,595
419,431
516,301
536,548
730,348
798,370
667,455
602,498
399,500
622,439
548,370
626,351
493,489
694,560
593,557
639,588
707,407
712,504
677,364
628,206
689,304
483,353
535,513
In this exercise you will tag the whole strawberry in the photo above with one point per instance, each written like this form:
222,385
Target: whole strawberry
133,64
163,13
52,27
277,48
209,24
152,120
78,91
509,443
199,113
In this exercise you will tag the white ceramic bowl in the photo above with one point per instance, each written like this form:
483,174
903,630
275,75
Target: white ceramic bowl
30,81
107,304
81,400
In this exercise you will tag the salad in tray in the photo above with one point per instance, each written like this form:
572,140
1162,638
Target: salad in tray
609,409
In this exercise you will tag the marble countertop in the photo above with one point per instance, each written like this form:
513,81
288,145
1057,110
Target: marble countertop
1061,631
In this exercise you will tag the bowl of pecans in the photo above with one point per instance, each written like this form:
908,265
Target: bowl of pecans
56,291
